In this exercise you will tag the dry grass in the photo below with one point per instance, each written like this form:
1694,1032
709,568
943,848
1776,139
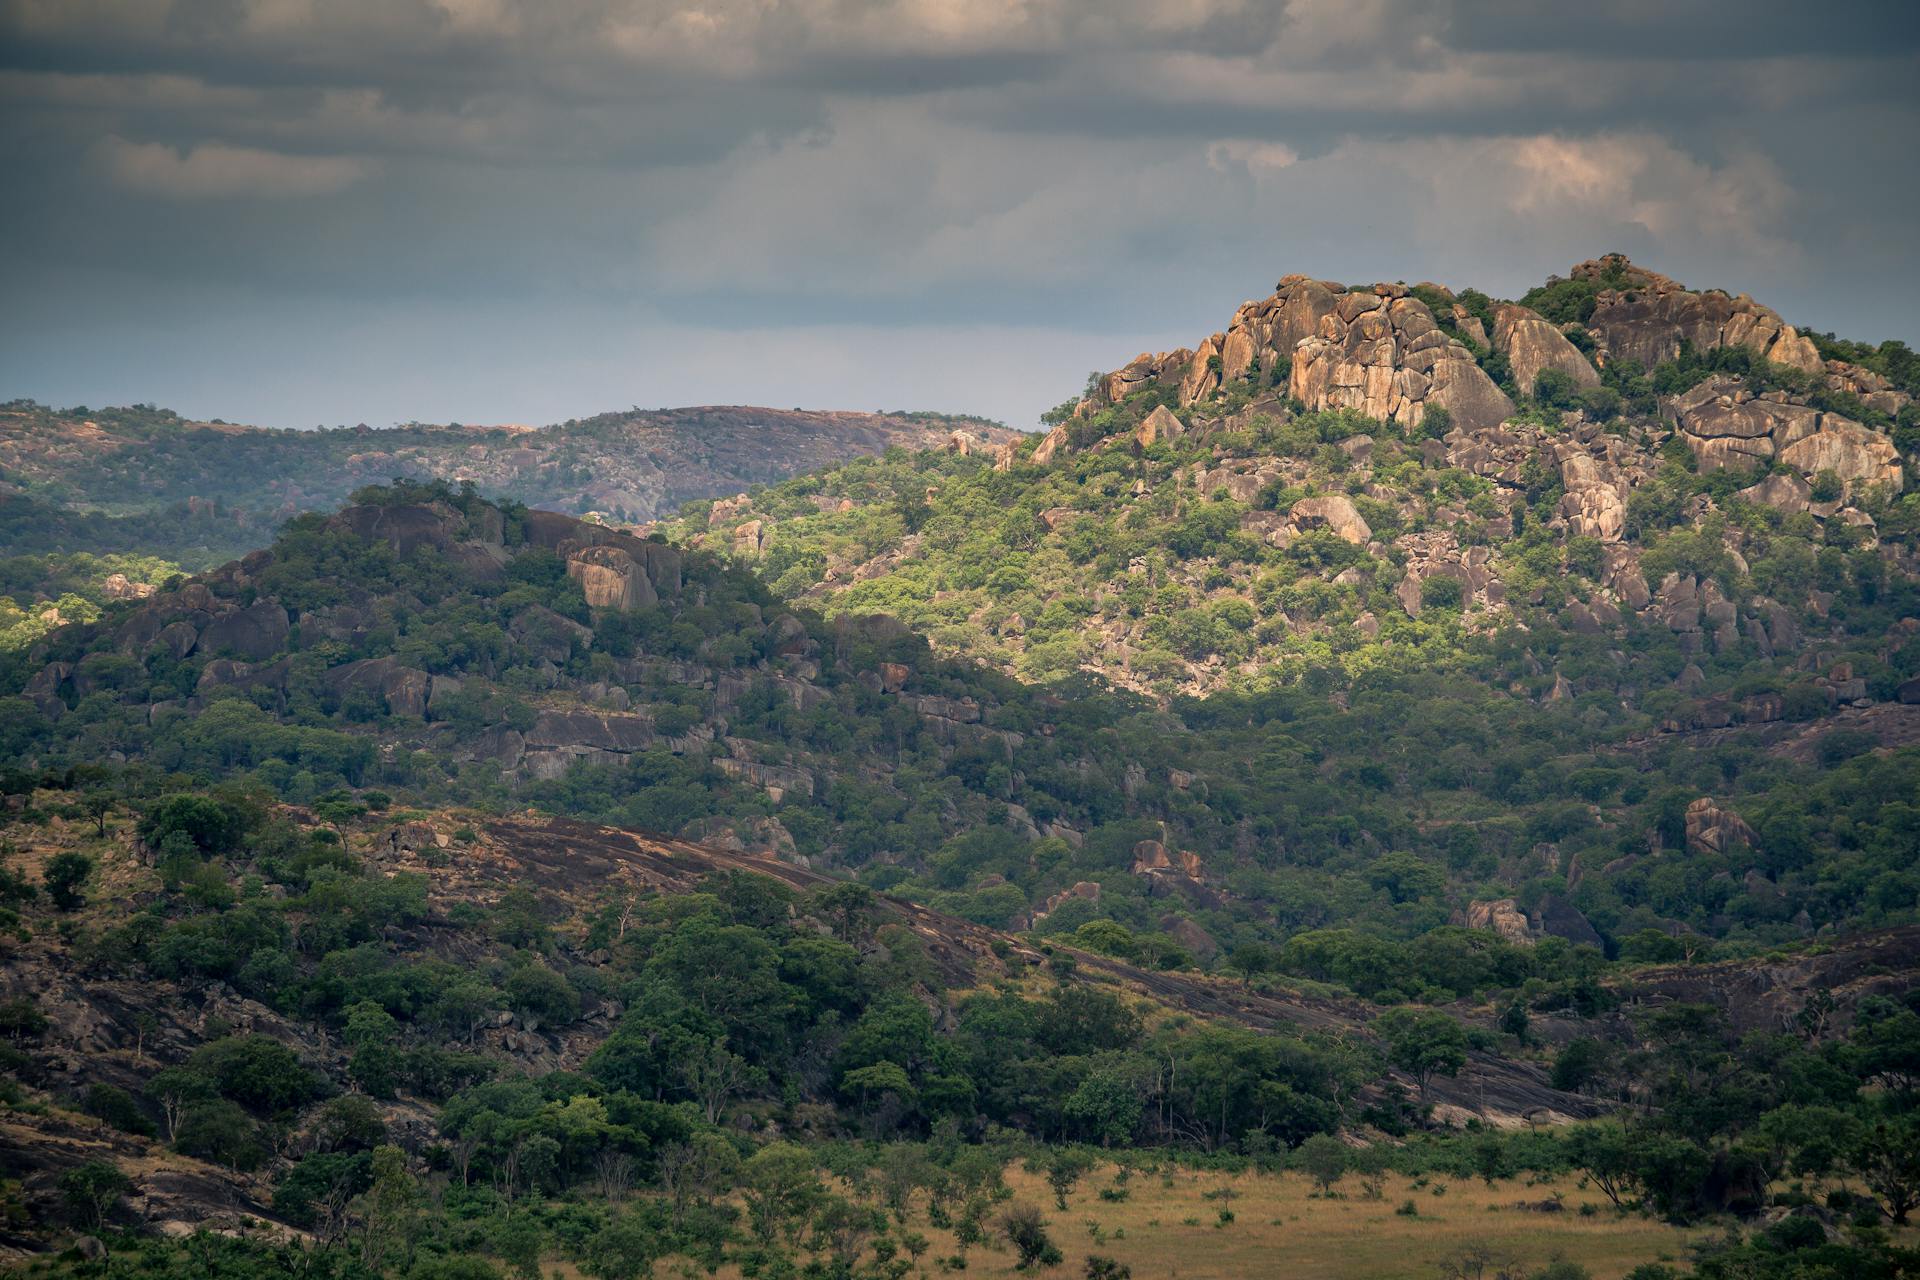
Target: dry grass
1280,1228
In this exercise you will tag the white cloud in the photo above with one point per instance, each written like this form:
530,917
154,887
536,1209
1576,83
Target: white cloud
1257,159
214,171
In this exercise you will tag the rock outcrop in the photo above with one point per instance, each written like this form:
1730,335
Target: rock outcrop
1531,345
1382,353
1728,425
1376,349
1649,318
1713,830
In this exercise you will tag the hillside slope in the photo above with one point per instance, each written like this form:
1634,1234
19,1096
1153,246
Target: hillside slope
1380,477
633,465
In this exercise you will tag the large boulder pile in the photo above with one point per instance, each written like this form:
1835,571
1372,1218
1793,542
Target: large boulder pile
1649,319
1374,348
1382,353
1728,425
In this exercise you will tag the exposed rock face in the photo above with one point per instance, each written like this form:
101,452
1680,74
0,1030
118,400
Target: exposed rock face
1382,353
1595,502
1501,916
258,631
618,571
405,690
1555,918
1727,425
1374,349
1711,829
1151,857
1335,512
1084,891
1873,390
1054,441
1158,427
1648,320
1531,344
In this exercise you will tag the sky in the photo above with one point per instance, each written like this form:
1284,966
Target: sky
302,212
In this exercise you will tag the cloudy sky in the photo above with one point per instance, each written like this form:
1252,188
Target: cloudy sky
304,211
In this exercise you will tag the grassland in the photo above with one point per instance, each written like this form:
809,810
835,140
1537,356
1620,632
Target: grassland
1168,1228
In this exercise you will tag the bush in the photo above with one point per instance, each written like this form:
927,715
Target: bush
64,875
117,1107
1441,592
93,1190
1026,1231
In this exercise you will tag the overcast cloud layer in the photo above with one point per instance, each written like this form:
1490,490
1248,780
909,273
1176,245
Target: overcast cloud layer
306,211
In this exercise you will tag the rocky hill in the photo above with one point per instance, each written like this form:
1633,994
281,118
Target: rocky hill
1366,476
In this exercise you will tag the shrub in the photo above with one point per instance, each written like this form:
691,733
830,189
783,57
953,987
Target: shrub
93,1190
1026,1231
64,875
1441,592
117,1107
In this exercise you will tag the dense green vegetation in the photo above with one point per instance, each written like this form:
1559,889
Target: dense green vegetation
1346,815
742,1011
1272,709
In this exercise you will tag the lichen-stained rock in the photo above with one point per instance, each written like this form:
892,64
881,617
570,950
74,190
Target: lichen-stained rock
1335,512
404,690
1856,453
583,729
1711,829
402,526
1531,344
1648,320
610,578
547,634
1558,918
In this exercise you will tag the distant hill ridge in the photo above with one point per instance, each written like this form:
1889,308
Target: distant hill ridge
633,465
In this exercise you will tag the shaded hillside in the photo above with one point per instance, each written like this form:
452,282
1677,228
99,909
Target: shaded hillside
623,465
1454,827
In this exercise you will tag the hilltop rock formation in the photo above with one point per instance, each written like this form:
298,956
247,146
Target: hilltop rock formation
1532,345
1376,349
1649,319
1381,352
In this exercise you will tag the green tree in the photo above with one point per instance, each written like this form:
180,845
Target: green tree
1064,1171
1423,1043
64,877
1887,1157
781,1189
1323,1158
388,1209
93,1190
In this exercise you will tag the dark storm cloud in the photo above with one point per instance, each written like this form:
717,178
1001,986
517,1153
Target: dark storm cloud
308,210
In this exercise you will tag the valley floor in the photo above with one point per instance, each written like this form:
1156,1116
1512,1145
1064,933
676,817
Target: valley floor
1167,1228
